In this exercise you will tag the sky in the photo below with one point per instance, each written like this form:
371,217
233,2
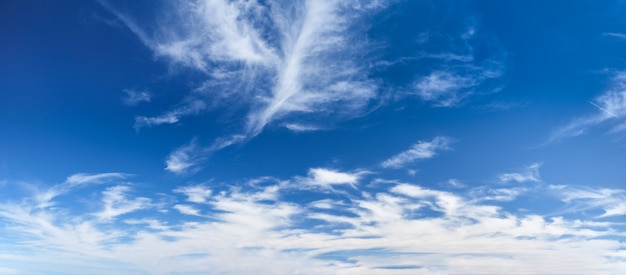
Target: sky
312,137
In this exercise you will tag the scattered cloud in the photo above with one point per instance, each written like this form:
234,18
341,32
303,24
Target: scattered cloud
185,159
611,201
396,227
301,127
326,178
277,58
195,193
134,97
170,117
82,178
116,203
529,174
187,210
614,34
611,111
420,150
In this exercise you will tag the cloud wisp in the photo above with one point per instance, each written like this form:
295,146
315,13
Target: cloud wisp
134,97
280,58
401,228
420,150
610,111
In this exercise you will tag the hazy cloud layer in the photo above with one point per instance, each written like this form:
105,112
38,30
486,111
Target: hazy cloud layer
403,228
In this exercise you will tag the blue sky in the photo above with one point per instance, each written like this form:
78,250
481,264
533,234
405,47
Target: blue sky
312,137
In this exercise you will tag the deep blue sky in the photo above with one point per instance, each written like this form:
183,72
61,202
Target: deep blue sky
486,125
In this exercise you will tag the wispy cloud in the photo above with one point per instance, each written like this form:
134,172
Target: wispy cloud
610,110
171,117
615,34
187,209
279,58
195,193
116,203
44,197
326,178
611,201
420,150
447,88
530,173
456,71
134,97
185,159
400,227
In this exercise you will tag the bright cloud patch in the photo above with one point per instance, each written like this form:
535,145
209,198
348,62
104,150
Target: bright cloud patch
402,228
610,111
420,150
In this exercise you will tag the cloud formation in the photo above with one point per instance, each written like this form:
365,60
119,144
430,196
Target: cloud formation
134,97
280,58
401,228
185,159
419,150
610,111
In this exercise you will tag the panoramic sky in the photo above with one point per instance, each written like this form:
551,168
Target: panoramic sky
312,137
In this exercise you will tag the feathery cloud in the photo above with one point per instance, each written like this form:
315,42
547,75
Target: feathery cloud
134,97
185,159
611,111
420,150
530,173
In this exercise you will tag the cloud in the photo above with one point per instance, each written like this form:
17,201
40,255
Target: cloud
278,58
610,111
614,34
420,150
116,203
326,178
301,127
134,97
611,201
185,159
44,197
530,173
82,178
398,227
171,117
187,210
195,193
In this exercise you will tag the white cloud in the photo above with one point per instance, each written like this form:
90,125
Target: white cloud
185,159
278,58
195,193
83,178
614,34
44,197
530,173
443,87
326,178
134,97
171,117
611,201
610,110
420,150
116,203
187,210
301,127
367,232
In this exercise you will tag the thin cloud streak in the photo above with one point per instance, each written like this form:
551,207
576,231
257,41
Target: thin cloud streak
611,106
134,97
420,150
